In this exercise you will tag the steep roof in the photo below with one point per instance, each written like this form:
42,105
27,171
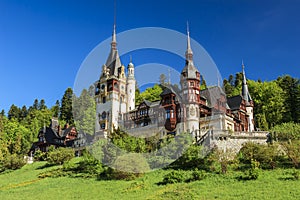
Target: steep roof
212,94
113,61
234,102
245,92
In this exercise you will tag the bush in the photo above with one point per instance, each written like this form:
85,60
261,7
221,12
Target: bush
292,150
177,176
60,155
267,155
130,166
13,161
296,174
192,158
253,173
197,175
40,156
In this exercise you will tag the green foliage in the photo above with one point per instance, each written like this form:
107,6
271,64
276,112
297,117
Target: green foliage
267,155
175,176
291,88
130,166
292,149
60,156
40,156
180,176
150,94
269,103
286,131
66,107
84,110
252,173
127,142
219,160
13,161
274,101
192,158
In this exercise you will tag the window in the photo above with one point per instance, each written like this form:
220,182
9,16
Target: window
167,114
103,126
192,84
103,99
104,115
172,114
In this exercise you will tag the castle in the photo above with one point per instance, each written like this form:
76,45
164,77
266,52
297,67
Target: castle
185,109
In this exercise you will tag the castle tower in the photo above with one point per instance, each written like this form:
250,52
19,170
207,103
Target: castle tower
130,87
249,102
111,91
190,90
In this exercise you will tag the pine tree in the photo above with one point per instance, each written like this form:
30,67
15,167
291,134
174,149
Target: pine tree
66,107
42,105
14,112
35,104
55,109
23,113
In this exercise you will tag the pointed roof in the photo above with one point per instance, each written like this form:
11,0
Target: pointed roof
189,69
189,52
113,61
245,92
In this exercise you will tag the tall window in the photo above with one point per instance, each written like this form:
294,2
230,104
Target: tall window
168,114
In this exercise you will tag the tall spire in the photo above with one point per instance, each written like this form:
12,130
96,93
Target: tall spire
245,92
114,39
189,52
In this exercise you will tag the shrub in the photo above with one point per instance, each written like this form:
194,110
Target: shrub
197,175
60,155
292,150
177,176
13,161
252,173
267,155
130,166
192,158
296,174
40,156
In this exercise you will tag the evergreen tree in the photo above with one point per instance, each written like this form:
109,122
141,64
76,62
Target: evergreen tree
23,113
14,112
55,109
66,107
2,113
35,104
42,105
291,91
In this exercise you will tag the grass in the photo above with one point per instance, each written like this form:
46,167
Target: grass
25,184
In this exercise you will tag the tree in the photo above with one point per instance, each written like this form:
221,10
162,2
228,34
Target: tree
55,109
14,112
42,105
23,113
2,113
152,94
35,105
85,112
291,89
60,155
66,107
269,103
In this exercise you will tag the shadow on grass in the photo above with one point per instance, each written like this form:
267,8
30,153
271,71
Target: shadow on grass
46,165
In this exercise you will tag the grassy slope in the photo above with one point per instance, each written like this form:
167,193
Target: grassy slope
24,184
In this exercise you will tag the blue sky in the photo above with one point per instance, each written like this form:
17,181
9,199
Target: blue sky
43,43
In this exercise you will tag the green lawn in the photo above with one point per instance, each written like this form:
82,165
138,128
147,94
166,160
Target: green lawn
24,184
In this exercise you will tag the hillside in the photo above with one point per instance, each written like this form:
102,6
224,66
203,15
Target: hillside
25,184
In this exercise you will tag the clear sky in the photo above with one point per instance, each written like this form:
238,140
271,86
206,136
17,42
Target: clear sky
43,43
